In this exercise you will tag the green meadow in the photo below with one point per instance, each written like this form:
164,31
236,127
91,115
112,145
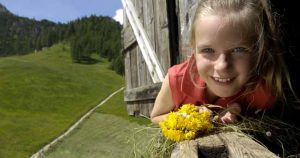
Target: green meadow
107,133
44,93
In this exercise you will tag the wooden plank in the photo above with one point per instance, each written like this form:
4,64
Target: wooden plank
133,68
140,108
149,106
138,5
225,144
241,146
162,34
148,24
127,64
127,34
128,38
133,109
142,93
185,149
141,69
144,107
147,80
211,146
144,77
149,55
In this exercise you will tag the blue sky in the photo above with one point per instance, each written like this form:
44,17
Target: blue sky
63,10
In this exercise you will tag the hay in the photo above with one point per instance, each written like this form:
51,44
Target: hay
150,142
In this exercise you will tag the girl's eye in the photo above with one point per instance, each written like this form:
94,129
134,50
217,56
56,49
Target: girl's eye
207,50
239,50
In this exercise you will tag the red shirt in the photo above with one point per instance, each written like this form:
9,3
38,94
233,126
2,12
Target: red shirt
184,91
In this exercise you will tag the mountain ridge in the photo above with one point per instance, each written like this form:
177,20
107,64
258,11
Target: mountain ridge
3,9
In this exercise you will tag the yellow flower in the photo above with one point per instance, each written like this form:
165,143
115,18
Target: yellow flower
185,124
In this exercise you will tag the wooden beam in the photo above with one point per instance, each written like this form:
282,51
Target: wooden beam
142,93
225,144
152,62
188,149
239,146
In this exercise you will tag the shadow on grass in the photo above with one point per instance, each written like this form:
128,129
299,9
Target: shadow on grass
87,61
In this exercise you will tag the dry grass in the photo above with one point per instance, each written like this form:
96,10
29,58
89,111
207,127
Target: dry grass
157,145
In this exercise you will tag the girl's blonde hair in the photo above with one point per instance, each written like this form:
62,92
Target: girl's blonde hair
255,21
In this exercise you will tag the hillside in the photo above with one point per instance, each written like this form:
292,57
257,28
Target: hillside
20,35
44,93
109,133
98,35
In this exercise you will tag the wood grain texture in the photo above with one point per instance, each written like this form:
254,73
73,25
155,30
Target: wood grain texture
185,149
153,16
223,145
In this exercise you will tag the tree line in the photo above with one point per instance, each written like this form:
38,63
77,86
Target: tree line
88,35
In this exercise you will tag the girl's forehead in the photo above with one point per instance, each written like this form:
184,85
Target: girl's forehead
214,28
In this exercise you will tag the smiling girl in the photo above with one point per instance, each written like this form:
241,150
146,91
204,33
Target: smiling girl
236,62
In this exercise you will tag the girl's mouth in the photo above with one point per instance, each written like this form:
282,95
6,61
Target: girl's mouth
222,80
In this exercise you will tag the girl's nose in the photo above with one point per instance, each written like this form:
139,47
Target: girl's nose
222,62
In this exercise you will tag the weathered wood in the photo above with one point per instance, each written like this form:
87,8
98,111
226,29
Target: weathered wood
127,34
241,146
227,144
149,21
185,149
127,64
161,33
142,93
133,68
186,13
128,37
211,146
140,108
149,55
152,15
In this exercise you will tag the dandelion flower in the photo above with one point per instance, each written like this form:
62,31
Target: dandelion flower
186,124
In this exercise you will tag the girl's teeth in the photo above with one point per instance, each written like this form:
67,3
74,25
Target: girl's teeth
222,79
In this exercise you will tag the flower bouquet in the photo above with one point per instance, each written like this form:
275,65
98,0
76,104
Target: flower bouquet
186,123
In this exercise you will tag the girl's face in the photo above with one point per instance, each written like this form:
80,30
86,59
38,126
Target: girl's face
223,57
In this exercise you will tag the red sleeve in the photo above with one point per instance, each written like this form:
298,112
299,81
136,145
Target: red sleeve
173,81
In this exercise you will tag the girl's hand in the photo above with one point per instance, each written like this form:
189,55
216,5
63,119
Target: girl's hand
228,118
203,108
229,115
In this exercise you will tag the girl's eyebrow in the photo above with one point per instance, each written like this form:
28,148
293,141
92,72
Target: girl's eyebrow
204,46
244,45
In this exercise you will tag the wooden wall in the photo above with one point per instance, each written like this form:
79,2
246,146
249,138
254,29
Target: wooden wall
140,91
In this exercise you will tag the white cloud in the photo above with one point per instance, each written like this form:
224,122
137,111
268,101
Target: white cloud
119,16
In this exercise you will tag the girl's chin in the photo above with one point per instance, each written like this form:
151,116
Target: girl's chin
225,92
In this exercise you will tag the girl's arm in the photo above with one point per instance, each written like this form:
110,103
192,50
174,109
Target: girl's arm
163,103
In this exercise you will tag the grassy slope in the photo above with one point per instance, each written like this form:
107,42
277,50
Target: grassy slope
42,94
108,133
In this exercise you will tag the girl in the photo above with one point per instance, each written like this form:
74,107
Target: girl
236,61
